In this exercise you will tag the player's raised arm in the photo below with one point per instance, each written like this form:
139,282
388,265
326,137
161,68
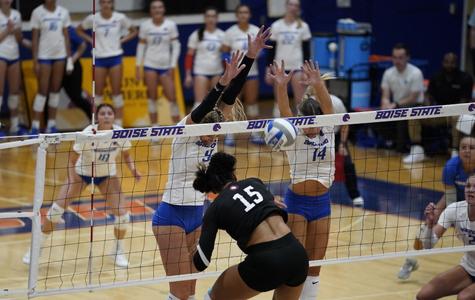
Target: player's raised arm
281,80
315,79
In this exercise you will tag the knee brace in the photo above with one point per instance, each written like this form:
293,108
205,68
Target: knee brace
152,106
122,222
55,214
39,103
118,101
13,102
98,100
53,100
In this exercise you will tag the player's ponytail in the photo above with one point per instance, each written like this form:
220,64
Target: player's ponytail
219,172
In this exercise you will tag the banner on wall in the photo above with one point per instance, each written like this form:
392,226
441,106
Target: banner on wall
135,96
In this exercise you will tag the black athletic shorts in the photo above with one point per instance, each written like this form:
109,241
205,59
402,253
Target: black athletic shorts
271,264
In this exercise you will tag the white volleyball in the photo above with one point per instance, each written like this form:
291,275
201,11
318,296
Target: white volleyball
280,133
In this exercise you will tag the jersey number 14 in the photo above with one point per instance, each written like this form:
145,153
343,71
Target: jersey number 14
255,196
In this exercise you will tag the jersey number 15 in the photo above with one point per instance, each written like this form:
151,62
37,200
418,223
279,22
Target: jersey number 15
255,196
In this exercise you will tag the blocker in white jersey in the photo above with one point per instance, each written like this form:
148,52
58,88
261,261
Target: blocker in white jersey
313,158
9,49
102,153
207,60
236,39
52,43
289,38
108,33
158,38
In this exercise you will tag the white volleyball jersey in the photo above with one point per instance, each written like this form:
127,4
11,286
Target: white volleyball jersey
103,153
108,33
338,108
207,60
313,159
158,47
236,39
289,38
187,153
9,47
51,24
456,215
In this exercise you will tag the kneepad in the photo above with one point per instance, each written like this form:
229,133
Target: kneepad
122,222
118,101
152,106
55,214
39,103
13,102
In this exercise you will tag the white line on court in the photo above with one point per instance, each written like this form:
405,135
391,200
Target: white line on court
24,175
16,200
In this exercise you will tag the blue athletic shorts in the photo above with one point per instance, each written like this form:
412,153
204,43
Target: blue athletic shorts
252,77
188,217
97,180
109,62
50,61
9,61
311,207
160,72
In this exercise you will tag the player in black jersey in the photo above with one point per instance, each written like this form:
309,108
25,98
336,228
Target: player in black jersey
246,210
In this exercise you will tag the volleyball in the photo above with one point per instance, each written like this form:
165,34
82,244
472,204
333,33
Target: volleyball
280,133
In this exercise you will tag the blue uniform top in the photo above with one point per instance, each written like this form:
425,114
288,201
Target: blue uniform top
454,175
75,39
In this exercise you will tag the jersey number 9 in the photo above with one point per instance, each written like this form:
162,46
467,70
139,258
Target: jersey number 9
255,196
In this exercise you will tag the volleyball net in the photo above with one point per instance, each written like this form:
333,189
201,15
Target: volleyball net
77,255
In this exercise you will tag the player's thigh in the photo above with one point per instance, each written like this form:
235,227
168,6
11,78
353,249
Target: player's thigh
200,87
450,282
192,238
115,77
297,87
14,78
171,241
251,91
213,81
230,285
286,292
57,73
168,85
3,74
100,76
151,82
298,226
70,191
317,238
44,79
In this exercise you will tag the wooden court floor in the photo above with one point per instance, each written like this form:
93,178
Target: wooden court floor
354,231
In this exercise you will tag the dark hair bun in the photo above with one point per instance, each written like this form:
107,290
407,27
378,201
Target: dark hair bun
201,181
214,177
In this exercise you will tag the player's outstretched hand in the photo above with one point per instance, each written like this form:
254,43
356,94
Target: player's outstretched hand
311,73
278,74
429,214
232,68
258,43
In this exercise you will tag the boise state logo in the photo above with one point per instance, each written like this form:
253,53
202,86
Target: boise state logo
216,127
346,117
471,107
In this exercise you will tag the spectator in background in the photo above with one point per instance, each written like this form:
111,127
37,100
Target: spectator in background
203,63
158,51
291,40
449,86
110,26
403,84
471,23
72,82
51,55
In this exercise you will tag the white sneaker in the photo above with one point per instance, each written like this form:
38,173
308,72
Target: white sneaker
410,265
118,255
359,201
415,156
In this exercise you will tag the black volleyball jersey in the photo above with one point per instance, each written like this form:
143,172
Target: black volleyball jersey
238,209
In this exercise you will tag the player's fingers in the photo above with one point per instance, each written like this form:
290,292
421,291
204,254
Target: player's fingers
261,29
241,67
291,73
282,65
